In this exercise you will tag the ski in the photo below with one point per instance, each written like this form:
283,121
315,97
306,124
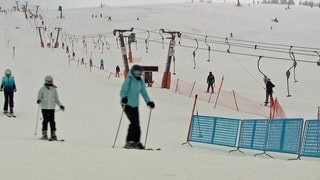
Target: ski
50,139
152,149
146,149
59,140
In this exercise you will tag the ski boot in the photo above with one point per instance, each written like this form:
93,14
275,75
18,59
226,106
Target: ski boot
130,145
53,136
44,135
139,145
134,145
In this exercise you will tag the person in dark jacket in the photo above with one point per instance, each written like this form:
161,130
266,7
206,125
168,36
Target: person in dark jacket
269,91
131,88
210,81
48,99
117,71
8,86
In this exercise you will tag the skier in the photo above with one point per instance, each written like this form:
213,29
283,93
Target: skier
210,81
48,99
117,71
101,64
8,86
269,91
132,86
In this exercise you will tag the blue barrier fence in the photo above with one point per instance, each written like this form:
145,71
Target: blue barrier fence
214,130
276,135
311,139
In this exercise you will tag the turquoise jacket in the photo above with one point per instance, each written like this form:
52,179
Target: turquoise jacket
131,88
8,84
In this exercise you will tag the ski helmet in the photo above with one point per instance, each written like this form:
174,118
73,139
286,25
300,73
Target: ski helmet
7,72
48,79
136,69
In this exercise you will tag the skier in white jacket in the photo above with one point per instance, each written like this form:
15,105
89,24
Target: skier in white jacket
48,99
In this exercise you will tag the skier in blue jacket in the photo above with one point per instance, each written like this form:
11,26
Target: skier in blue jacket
8,86
131,88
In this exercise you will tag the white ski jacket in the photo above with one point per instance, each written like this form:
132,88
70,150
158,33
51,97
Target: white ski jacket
48,97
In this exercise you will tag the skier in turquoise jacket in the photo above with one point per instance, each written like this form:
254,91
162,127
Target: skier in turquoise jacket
131,88
8,86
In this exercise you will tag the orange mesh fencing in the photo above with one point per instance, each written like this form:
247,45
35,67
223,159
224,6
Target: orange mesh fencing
227,99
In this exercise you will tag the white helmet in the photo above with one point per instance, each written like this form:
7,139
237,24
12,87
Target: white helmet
48,79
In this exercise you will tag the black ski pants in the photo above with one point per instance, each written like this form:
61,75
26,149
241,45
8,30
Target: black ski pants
8,100
210,85
48,118
134,131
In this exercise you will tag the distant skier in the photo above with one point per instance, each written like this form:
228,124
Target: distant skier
210,81
101,64
48,99
73,55
269,91
132,86
8,86
117,71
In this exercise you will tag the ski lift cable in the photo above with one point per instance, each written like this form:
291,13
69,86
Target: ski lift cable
251,55
253,42
234,52
261,47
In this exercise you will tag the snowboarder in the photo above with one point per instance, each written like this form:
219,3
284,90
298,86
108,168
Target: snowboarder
132,86
269,91
8,86
210,81
117,71
48,99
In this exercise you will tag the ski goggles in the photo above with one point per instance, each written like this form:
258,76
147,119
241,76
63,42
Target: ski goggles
137,72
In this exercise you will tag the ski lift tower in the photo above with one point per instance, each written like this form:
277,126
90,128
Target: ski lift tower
166,79
123,48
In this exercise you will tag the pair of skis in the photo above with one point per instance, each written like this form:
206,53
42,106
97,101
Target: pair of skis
9,114
51,139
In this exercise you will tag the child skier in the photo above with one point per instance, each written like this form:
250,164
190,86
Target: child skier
132,86
8,86
48,99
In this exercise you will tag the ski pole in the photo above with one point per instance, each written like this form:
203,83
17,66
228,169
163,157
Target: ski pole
145,141
36,128
115,139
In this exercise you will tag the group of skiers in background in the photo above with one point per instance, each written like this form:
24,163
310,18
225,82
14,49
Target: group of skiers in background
269,87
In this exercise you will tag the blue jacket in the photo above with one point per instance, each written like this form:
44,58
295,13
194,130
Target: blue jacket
8,84
131,88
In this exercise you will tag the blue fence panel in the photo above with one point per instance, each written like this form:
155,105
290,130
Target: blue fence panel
226,132
284,135
311,139
214,130
202,129
253,134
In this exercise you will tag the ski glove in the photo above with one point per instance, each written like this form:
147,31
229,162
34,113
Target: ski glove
62,108
124,100
151,104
